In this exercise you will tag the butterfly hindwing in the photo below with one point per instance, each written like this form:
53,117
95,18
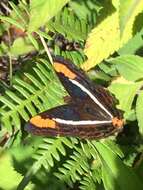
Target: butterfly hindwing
71,120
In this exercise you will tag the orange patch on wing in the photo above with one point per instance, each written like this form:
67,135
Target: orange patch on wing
117,122
60,68
40,122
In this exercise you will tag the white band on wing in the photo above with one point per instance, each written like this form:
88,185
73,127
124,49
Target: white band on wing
91,96
84,122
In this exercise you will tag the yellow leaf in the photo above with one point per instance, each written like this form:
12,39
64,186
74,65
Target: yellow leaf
112,32
102,41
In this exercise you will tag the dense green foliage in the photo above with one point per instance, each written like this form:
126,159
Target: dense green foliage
104,36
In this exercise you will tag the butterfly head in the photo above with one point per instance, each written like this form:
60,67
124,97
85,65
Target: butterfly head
117,122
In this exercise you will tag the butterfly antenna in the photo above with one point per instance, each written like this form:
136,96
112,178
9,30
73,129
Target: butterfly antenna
46,49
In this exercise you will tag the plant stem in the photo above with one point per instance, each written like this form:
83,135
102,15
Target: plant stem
46,49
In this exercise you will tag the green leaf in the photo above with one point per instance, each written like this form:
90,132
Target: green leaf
33,41
45,156
125,93
18,12
116,175
44,34
83,8
64,23
9,178
75,167
3,48
21,46
133,45
114,147
42,11
139,111
129,66
87,183
12,21
129,9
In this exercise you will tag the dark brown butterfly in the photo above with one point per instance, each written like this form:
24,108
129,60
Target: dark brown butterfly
90,111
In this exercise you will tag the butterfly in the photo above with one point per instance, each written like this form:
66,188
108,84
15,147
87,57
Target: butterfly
89,111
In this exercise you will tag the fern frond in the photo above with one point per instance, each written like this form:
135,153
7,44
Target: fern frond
40,92
93,177
86,149
67,24
87,183
48,152
84,9
77,57
74,168
18,12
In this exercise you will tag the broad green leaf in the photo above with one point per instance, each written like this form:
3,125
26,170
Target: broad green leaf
42,11
116,175
114,147
129,66
9,178
130,115
103,40
21,46
125,93
129,9
139,112
133,45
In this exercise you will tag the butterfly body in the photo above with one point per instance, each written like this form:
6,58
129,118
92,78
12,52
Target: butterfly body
89,112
